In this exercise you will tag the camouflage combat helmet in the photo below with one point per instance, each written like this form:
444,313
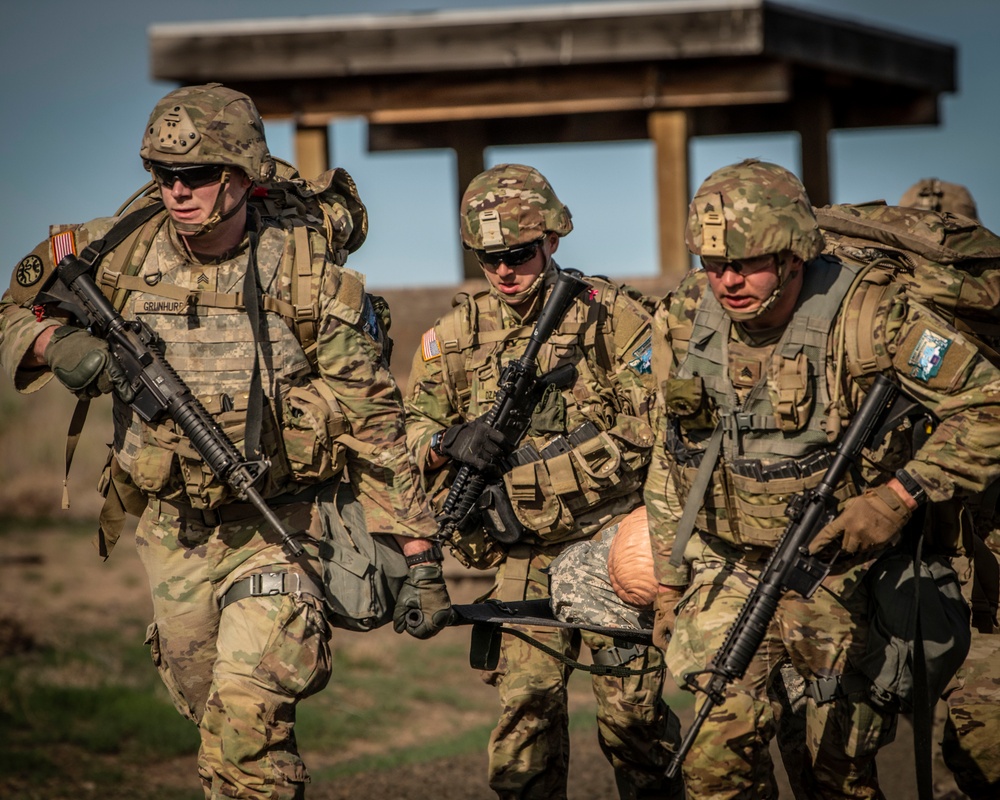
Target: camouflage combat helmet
510,205
752,209
932,194
208,124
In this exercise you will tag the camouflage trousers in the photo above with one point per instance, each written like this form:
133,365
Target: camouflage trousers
529,748
971,746
820,637
237,673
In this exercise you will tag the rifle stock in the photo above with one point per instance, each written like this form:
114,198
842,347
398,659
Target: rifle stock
161,393
790,567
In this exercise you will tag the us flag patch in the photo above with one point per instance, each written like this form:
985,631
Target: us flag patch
63,244
429,345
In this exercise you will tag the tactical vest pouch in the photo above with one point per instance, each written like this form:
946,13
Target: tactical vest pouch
154,464
535,503
943,627
362,573
312,421
687,401
497,515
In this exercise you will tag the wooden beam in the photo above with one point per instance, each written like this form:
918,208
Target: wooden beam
312,150
813,121
468,164
669,131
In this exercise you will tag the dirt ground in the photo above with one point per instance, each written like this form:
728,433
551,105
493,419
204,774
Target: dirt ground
89,594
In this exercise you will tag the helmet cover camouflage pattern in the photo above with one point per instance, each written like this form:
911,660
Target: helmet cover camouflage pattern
208,124
932,194
752,209
510,205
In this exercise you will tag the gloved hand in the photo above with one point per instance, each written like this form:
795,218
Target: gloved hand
665,605
474,443
867,521
423,607
83,364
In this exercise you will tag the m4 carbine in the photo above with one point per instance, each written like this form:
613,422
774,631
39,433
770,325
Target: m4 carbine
160,393
520,389
790,567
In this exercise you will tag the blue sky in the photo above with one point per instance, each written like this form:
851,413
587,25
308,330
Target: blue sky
75,95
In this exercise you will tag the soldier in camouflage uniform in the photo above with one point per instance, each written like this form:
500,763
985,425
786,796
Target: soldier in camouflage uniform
971,746
762,356
239,633
513,221
933,194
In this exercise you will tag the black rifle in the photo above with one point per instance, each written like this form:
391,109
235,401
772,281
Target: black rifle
790,567
160,392
519,391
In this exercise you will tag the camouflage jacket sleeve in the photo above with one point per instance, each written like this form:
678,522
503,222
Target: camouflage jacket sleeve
18,331
350,358
18,326
663,505
429,407
942,369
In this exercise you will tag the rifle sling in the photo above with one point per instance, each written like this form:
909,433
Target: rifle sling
89,259
696,496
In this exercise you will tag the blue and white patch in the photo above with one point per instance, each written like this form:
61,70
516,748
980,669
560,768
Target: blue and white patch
926,358
642,356
369,319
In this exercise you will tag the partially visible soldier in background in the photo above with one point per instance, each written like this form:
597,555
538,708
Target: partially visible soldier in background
971,746
593,442
933,194
285,349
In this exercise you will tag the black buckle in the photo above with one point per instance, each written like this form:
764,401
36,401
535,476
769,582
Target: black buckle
268,583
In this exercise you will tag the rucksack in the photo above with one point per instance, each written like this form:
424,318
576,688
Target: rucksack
948,262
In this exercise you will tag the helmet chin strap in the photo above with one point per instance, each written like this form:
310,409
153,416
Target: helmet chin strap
526,294
193,230
785,274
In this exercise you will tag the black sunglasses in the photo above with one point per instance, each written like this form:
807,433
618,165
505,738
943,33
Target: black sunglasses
192,177
514,257
745,266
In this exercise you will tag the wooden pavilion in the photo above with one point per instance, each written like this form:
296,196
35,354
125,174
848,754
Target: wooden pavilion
665,70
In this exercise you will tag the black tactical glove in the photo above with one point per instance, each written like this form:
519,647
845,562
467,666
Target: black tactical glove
423,607
474,443
83,364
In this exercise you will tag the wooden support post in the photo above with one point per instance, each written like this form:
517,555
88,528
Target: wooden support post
669,131
813,118
469,163
312,150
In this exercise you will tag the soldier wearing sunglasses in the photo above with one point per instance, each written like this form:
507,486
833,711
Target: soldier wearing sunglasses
260,317
575,476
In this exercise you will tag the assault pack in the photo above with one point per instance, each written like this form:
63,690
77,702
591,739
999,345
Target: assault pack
948,262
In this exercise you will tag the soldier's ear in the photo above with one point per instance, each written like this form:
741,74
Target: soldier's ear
552,241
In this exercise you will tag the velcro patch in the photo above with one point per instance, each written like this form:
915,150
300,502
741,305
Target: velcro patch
642,356
429,347
63,244
927,356
933,353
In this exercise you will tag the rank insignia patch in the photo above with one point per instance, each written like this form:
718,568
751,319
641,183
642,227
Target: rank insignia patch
926,358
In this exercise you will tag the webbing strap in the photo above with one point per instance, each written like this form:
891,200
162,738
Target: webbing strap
696,496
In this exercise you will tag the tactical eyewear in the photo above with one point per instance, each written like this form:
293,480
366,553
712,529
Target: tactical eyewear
514,257
743,266
192,177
